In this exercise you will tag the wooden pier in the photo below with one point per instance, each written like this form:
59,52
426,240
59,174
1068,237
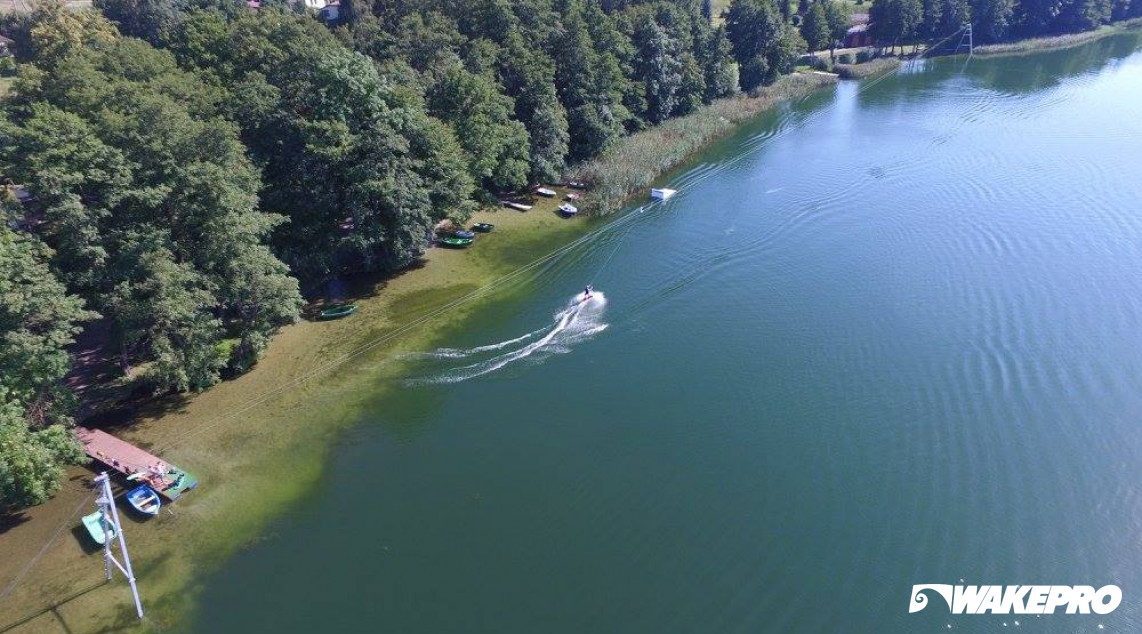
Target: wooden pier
169,481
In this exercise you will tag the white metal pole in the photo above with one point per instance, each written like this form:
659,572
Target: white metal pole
126,566
104,523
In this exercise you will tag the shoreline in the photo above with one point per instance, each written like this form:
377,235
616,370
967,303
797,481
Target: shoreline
1057,42
640,159
276,449
273,428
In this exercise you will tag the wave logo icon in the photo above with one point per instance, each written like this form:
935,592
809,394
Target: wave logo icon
1018,599
920,600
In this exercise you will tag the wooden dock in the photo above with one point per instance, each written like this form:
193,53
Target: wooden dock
168,480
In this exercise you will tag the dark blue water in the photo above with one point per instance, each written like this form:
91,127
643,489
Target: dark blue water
889,335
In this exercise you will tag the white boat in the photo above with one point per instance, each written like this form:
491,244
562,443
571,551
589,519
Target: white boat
543,191
662,194
516,206
568,210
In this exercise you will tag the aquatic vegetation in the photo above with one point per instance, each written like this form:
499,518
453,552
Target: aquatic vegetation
873,68
633,165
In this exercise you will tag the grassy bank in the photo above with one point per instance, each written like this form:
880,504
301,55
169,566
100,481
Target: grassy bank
255,456
871,68
632,166
1059,41
260,442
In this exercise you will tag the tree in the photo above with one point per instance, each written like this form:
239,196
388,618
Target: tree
756,30
529,75
815,28
943,18
145,19
721,72
496,145
165,306
56,31
895,21
140,178
838,19
38,320
658,68
1083,15
991,19
590,81
31,460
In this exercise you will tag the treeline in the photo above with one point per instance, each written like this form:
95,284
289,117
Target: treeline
193,163
894,22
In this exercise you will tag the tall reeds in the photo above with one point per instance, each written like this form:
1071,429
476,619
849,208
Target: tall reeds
631,166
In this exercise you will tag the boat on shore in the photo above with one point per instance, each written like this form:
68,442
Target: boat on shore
517,206
545,192
567,210
99,526
454,242
144,500
463,233
339,311
483,227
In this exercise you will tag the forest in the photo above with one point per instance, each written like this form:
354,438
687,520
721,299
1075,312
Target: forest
197,167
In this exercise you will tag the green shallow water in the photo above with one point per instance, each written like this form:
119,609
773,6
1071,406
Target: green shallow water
879,338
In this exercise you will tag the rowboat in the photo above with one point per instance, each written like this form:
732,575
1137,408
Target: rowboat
543,191
144,500
467,235
573,196
568,210
577,184
99,527
517,206
338,311
483,227
454,242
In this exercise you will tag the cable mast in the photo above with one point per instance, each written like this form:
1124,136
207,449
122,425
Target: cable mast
966,40
109,516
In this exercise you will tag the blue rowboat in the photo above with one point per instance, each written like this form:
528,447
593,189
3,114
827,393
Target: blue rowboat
144,500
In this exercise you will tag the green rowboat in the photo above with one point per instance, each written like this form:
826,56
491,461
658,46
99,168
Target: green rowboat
454,242
339,311
98,527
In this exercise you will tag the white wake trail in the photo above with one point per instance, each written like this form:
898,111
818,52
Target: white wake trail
462,353
578,322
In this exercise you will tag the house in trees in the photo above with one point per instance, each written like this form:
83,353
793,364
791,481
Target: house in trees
858,34
331,12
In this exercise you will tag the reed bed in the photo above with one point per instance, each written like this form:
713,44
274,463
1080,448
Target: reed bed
871,68
1058,41
632,165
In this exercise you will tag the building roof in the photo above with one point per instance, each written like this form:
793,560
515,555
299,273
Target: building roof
859,18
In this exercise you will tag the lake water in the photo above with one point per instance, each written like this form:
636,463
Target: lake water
889,335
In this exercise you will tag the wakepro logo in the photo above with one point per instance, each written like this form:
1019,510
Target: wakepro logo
1019,599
